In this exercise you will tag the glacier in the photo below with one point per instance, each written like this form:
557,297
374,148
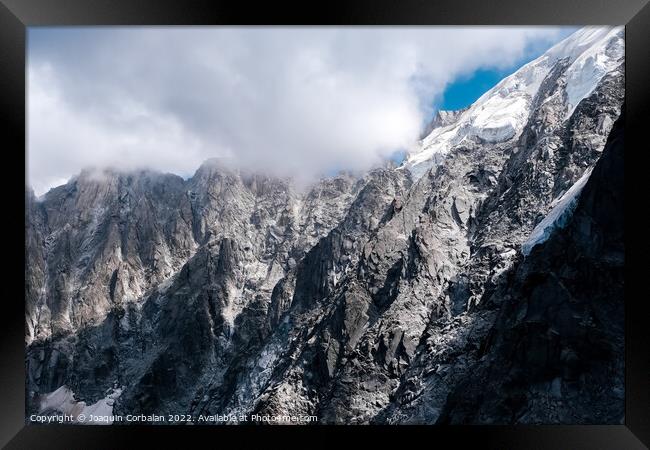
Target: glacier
501,113
558,217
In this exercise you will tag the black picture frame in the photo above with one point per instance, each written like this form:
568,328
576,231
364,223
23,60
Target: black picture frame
16,15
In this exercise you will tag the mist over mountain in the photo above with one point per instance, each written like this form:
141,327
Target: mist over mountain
286,101
480,281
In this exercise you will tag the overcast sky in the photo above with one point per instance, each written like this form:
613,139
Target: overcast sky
292,101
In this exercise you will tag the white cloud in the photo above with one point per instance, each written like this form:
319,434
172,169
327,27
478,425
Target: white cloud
286,100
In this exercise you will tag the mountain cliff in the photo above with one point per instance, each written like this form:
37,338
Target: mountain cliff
478,282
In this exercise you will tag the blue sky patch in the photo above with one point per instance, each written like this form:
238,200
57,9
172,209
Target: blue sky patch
465,90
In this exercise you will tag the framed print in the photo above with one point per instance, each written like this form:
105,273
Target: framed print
360,218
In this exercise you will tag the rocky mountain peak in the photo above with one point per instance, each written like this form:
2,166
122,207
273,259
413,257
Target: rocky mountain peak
442,118
499,115
385,297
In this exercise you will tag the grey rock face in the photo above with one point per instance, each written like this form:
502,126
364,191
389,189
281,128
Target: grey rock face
103,249
452,350
556,351
442,118
382,298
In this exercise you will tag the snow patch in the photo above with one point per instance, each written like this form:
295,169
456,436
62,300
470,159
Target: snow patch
591,66
501,113
499,120
63,401
558,217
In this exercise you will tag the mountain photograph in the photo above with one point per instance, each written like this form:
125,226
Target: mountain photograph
351,226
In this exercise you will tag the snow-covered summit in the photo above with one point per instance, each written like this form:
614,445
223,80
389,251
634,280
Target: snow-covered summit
501,113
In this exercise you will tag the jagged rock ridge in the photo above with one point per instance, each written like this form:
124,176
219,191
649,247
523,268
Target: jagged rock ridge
382,298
